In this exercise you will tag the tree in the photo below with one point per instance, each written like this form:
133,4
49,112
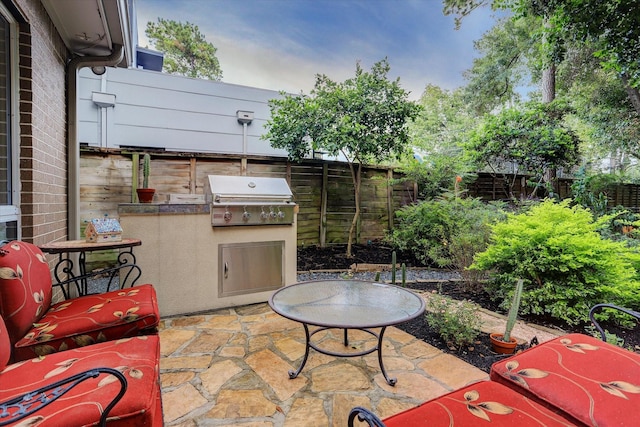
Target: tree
186,52
603,115
614,26
494,77
533,139
437,135
363,118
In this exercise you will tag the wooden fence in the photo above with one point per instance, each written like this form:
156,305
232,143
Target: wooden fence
323,190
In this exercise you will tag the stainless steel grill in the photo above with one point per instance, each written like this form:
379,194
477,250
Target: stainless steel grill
245,200
252,261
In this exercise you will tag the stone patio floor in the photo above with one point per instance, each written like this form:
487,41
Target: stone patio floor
229,368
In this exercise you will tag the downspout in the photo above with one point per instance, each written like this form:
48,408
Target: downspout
73,148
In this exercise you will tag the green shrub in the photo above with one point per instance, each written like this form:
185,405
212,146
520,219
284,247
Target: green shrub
566,265
457,322
446,232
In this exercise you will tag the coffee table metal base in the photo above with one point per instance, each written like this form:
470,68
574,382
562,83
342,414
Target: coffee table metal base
309,344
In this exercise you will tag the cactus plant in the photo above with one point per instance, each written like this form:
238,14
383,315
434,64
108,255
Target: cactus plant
145,194
146,167
504,343
513,311
393,267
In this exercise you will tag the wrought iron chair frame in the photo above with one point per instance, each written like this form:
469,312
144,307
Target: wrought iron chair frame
29,403
597,307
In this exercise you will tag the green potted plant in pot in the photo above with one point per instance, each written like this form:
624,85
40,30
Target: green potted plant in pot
145,194
505,343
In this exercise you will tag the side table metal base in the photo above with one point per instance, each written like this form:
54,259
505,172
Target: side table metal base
309,344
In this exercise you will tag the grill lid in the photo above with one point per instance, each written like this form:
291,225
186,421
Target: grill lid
238,189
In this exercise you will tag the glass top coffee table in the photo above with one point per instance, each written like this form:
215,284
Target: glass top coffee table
346,304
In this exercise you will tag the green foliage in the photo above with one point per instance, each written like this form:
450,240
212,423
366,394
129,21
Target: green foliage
447,231
457,322
363,118
505,52
566,265
588,192
609,336
186,51
437,135
533,138
613,24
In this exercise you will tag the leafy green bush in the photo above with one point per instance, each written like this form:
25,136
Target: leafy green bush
446,232
567,266
457,322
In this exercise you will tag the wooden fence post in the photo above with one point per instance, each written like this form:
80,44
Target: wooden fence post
390,197
192,175
323,205
135,165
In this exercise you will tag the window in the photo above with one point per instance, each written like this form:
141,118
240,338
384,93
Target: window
9,183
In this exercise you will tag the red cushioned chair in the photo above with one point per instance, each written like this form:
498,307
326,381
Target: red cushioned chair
37,328
483,403
115,381
592,382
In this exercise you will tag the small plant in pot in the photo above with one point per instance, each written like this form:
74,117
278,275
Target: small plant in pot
145,194
505,343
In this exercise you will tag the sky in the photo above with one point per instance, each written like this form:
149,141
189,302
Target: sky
284,44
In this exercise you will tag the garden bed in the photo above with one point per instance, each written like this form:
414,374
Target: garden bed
313,260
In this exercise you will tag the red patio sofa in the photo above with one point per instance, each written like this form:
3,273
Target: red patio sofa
115,381
36,327
572,380
81,361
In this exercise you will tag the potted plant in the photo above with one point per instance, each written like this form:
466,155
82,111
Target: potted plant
145,194
505,343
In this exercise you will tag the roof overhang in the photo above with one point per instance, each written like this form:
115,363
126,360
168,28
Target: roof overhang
92,28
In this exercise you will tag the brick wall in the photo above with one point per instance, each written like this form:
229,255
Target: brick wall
43,115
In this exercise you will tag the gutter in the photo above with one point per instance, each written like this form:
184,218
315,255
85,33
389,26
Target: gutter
73,146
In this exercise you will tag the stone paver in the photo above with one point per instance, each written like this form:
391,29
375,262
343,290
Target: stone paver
229,368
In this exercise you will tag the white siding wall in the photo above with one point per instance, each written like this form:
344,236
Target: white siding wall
172,112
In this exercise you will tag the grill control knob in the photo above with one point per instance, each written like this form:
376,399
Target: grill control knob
272,214
280,214
227,216
263,214
246,216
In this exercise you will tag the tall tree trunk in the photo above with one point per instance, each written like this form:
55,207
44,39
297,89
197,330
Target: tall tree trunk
548,95
549,84
356,176
632,93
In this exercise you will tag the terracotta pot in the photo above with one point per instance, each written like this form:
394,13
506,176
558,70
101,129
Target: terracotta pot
502,347
145,195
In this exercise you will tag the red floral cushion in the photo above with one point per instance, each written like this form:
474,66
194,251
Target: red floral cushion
137,358
25,287
484,403
594,382
91,319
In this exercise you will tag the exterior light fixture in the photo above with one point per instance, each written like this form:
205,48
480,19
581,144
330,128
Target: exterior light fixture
99,70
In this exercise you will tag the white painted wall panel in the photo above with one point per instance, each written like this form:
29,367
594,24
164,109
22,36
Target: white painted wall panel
172,112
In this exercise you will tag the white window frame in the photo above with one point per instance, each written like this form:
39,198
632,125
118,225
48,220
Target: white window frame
10,213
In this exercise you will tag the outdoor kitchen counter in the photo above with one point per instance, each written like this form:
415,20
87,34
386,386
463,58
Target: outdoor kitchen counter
181,255
163,208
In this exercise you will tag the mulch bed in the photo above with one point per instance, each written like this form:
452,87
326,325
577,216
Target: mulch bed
480,354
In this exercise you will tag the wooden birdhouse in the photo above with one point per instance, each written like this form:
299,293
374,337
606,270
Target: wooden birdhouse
103,230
